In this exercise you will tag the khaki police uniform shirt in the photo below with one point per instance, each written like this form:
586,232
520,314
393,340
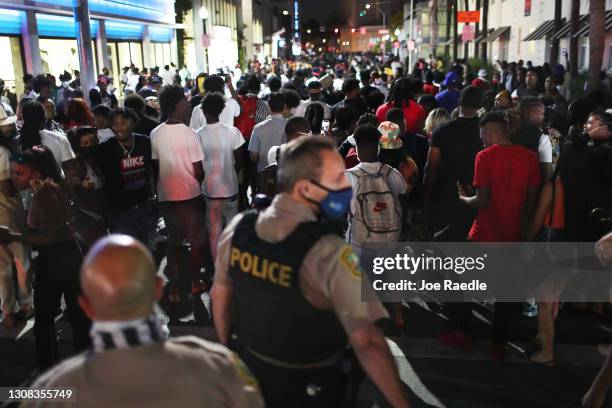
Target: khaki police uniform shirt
179,372
330,277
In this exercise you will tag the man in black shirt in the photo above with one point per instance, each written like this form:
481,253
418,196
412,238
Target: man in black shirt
353,98
450,160
108,98
530,87
145,123
125,161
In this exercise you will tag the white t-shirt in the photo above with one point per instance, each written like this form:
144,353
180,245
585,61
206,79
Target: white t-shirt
218,144
132,82
301,109
176,148
545,149
168,76
59,146
273,152
230,111
105,134
396,183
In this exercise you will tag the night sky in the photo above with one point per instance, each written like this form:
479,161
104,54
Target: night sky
319,9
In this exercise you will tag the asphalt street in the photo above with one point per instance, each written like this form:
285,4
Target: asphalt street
434,376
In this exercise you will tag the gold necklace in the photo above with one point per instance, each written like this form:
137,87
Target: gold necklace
126,152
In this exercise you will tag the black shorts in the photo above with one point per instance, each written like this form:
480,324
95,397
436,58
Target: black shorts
185,221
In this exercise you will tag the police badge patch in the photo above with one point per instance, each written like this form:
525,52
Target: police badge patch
243,371
350,261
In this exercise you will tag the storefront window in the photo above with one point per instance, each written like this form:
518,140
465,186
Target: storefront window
11,71
161,54
58,55
136,54
223,51
123,54
129,53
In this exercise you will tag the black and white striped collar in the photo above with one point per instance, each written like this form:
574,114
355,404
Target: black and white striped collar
109,335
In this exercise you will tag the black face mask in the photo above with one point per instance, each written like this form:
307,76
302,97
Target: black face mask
88,150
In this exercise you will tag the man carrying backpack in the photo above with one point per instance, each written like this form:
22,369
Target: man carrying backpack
375,212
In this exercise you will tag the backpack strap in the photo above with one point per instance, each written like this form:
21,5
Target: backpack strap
384,166
278,155
356,173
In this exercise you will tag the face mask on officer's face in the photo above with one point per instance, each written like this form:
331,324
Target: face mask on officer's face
336,203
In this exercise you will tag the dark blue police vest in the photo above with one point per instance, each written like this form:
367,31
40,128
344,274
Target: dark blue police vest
271,316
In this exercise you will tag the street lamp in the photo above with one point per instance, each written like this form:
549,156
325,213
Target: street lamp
203,13
308,31
285,13
384,22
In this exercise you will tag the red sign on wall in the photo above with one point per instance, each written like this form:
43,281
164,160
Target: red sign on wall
527,8
468,16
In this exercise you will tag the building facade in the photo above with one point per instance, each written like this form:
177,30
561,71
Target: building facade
219,34
41,36
363,39
517,29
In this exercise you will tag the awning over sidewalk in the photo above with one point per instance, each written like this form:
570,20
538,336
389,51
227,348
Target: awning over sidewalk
481,36
567,27
497,33
543,30
584,30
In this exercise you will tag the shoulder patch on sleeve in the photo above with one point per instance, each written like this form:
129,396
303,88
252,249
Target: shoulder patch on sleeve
350,261
243,371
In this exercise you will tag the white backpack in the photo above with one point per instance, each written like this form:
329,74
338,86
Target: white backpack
377,216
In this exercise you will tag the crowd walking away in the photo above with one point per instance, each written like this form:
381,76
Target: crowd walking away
242,200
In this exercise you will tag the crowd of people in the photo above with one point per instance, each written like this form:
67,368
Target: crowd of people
351,150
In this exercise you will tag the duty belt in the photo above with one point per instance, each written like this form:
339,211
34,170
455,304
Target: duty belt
328,362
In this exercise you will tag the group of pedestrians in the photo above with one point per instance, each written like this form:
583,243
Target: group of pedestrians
349,151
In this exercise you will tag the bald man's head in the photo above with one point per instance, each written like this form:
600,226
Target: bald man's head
119,280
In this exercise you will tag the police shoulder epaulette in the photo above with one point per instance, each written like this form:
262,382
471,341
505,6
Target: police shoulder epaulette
196,342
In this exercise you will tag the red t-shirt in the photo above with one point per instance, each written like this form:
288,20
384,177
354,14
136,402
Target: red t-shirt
508,172
414,114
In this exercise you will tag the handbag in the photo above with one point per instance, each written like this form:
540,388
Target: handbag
85,227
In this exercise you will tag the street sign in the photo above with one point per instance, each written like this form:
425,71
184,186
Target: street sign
468,16
468,33
205,40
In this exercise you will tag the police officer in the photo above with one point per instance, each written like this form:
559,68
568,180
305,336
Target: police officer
133,363
291,292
